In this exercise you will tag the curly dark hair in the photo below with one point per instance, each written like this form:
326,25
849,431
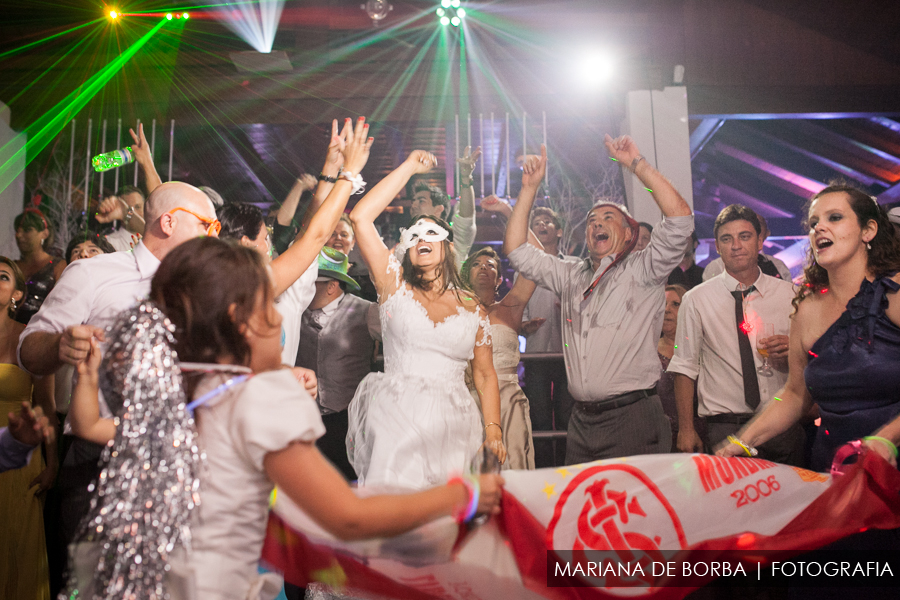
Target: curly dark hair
446,272
884,257
209,288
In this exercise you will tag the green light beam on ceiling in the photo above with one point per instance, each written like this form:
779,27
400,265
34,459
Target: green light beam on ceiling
48,38
40,133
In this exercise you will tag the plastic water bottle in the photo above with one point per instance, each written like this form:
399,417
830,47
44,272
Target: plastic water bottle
111,160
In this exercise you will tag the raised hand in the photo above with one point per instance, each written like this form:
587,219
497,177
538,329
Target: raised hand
534,168
334,157
357,145
75,344
421,161
622,149
140,148
30,426
307,181
111,209
467,163
496,205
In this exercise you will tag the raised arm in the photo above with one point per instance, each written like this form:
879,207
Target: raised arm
142,155
84,410
334,162
466,191
363,215
532,174
670,202
315,486
288,267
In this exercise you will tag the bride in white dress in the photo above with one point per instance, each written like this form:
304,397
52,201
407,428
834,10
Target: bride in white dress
416,424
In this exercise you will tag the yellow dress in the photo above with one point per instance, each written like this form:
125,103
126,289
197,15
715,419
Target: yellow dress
23,552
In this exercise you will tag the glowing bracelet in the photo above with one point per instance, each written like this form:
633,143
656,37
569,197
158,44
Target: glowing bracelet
473,488
889,443
750,450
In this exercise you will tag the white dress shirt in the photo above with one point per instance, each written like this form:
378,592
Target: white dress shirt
544,304
93,292
291,304
122,239
706,344
610,339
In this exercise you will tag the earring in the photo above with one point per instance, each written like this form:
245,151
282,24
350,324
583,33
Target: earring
12,303
868,245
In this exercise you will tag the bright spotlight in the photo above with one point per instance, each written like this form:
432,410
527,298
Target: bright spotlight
456,21
113,14
441,12
454,3
184,16
461,13
445,3
169,16
596,68
445,21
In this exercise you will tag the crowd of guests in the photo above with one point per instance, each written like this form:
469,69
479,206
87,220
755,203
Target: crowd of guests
276,333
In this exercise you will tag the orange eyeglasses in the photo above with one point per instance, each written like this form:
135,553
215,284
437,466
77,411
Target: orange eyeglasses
213,225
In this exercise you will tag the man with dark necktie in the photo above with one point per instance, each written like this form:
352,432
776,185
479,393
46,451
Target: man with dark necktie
732,343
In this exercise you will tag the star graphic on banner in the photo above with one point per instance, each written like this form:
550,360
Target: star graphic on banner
548,489
564,472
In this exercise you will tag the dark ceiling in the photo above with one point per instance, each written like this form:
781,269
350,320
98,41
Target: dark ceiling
250,134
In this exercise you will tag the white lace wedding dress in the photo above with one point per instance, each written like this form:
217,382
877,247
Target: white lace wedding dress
416,423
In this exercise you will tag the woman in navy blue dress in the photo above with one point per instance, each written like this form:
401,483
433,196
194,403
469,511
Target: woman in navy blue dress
845,333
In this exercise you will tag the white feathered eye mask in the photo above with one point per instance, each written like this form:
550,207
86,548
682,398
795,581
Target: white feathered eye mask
423,230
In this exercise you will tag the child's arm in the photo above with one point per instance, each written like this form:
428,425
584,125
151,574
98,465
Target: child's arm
84,410
315,485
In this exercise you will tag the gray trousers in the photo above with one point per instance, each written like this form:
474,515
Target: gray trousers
639,428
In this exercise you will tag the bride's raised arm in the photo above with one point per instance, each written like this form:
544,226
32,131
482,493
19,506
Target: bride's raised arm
363,215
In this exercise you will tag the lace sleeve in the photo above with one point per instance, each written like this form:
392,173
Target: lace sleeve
394,279
484,329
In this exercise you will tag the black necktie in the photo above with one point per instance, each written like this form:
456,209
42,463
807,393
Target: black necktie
748,367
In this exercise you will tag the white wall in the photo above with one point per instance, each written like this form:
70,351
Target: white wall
658,122
13,196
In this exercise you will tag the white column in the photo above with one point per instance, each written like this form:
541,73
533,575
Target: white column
659,125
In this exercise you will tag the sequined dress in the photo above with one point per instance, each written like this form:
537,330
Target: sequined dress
23,554
414,424
853,372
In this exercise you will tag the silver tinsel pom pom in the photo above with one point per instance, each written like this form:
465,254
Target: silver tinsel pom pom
142,502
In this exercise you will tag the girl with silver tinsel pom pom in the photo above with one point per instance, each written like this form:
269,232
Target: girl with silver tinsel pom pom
180,509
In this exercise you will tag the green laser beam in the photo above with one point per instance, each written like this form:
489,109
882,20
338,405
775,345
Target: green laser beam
48,38
40,133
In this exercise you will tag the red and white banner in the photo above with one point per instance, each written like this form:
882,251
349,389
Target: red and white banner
639,512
